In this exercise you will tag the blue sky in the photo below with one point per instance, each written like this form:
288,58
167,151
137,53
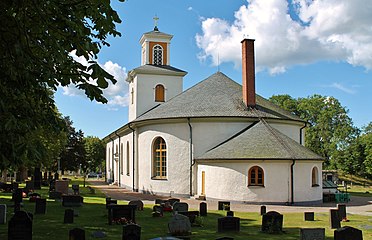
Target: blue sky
302,48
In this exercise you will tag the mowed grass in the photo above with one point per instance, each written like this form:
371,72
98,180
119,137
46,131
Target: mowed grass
93,217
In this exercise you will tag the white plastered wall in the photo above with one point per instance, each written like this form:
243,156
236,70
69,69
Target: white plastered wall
304,191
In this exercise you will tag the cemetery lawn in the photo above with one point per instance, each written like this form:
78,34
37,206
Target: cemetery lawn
93,217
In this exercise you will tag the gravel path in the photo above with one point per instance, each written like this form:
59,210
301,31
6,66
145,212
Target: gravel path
357,205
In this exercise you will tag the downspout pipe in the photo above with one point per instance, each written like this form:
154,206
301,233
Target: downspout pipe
292,168
133,155
191,158
119,172
112,160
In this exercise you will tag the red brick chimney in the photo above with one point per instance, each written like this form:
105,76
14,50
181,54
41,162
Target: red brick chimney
249,92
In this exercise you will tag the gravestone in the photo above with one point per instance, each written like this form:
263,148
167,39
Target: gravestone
179,225
29,185
20,226
191,215
56,176
173,200
203,209
137,203
55,195
40,206
309,216
72,201
348,233
37,178
17,198
33,197
229,214
157,211
342,211
262,210
334,218
312,233
131,232
180,207
2,213
272,222
75,188
110,201
61,186
69,216
76,234
228,224
167,207
223,205
159,201
52,185
121,214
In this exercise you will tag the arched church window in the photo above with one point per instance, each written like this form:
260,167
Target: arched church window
159,93
159,159
127,159
255,176
158,55
314,177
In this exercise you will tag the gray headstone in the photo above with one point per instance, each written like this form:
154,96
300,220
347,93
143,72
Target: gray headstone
158,210
2,213
262,210
203,209
180,207
131,232
348,233
272,222
228,224
334,218
179,225
137,203
312,233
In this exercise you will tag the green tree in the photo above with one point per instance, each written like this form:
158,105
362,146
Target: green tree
36,44
330,128
95,153
366,141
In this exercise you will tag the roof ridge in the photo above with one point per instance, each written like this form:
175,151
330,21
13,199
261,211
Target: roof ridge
278,138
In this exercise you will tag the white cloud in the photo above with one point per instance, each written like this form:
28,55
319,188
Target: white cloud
116,94
343,88
333,30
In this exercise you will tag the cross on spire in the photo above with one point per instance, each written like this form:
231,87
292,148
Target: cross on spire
156,23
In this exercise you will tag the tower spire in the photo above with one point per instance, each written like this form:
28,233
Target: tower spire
156,23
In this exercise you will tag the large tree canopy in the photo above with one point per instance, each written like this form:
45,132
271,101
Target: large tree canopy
330,128
36,42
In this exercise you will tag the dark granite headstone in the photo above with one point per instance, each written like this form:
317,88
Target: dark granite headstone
75,188
157,211
56,176
52,185
29,185
110,201
121,214
137,203
272,222
20,226
229,214
69,216
180,207
191,215
72,200
17,198
55,195
312,233
348,233
203,209
228,224
159,201
342,211
131,232
33,196
40,206
309,216
334,218
223,205
262,210
37,178
76,234
2,213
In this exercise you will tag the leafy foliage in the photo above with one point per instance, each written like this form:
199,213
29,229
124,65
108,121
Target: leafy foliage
95,153
36,42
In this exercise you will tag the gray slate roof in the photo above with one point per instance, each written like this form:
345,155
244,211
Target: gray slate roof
262,142
216,96
160,69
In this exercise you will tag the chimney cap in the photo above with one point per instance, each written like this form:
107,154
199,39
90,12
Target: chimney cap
247,39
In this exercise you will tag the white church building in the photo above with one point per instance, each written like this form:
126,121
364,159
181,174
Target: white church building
217,139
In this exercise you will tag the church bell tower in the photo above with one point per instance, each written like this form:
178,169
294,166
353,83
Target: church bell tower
155,81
